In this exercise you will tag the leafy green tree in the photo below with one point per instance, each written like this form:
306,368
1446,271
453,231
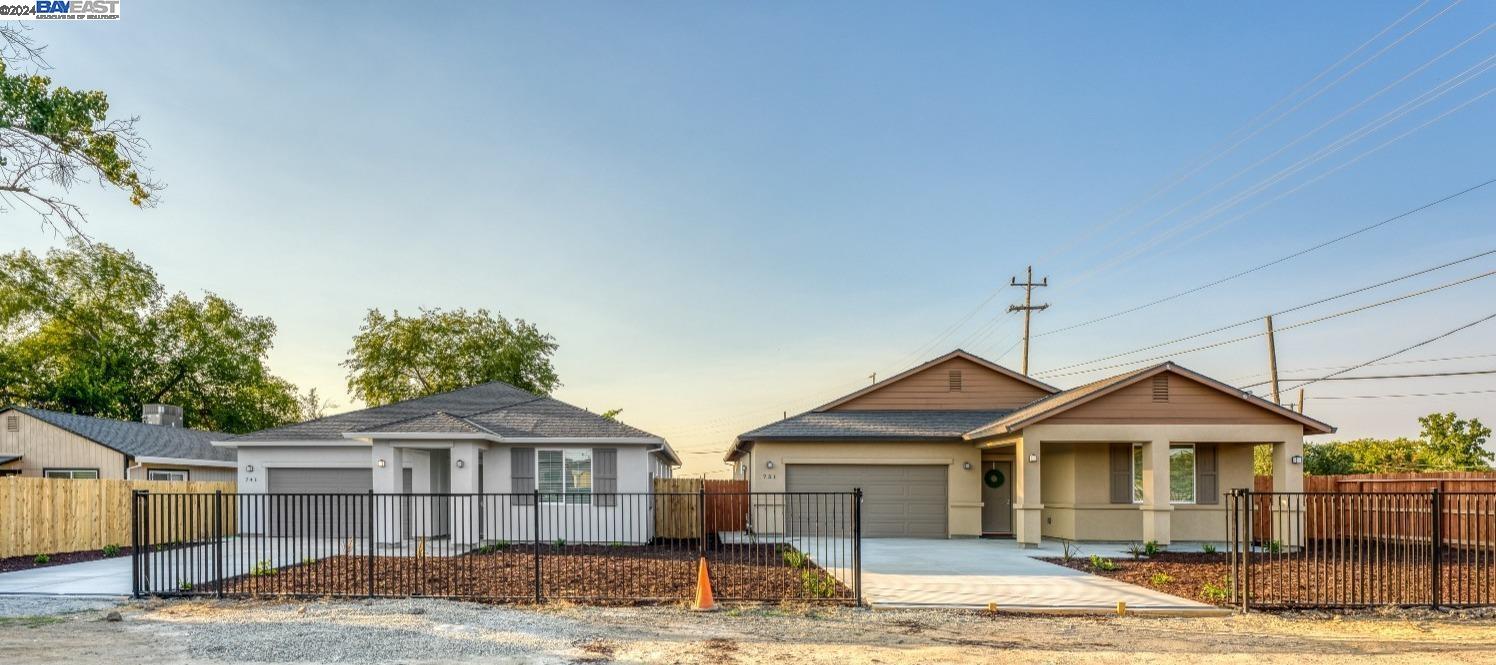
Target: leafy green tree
400,357
90,330
53,138
611,414
1453,444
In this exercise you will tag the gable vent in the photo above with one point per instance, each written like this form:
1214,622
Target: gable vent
955,379
12,423
1160,388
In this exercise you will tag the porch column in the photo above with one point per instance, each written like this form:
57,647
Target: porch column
1288,511
1028,510
464,512
1157,511
388,519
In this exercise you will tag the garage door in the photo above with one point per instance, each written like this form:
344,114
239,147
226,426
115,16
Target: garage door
897,501
323,516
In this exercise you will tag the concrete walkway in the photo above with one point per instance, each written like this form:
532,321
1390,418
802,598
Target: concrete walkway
972,573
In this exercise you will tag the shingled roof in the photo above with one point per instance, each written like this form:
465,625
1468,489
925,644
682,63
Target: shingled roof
138,439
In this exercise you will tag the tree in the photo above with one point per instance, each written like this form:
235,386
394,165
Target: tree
90,330
53,138
611,414
312,406
1452,444
397,357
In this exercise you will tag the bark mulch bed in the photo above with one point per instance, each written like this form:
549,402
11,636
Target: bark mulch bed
1312,578
14,563
587,573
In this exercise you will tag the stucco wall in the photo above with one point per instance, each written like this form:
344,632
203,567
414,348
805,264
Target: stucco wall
963,486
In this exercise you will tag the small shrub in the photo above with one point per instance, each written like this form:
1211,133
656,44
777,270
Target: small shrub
111,551
261,569
794,558
1099,563
560,543
1135,550
184,586
307,561
1068,550
1151,549
41,559
817,585
494,547
1208,548
1160,579
1215,593
615,544
1274,547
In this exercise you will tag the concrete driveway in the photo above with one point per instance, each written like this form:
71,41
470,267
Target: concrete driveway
105,577
972,573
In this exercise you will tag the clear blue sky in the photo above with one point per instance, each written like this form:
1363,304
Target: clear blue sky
726,211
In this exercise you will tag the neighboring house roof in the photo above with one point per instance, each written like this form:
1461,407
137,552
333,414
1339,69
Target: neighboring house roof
494,409
958,353
889,425
138,439
1059,403
7,459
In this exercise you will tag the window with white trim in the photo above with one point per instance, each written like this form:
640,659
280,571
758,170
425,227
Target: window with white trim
1181,473
564,476
166,474
79,474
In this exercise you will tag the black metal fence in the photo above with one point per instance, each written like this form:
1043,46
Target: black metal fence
1344,550
624,547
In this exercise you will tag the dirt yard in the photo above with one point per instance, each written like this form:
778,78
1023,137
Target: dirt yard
430,631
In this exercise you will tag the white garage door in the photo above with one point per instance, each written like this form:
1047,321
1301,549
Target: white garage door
897,501
304,503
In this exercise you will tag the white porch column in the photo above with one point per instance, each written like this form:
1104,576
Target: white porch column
1028,508
1288,511
1157,512
464,513
386,462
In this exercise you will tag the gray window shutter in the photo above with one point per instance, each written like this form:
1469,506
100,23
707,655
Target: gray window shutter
1207,487
605,477
1121,473
522,475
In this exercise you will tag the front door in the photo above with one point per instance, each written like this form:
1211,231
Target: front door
997,497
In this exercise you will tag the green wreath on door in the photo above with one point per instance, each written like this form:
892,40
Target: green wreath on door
994,478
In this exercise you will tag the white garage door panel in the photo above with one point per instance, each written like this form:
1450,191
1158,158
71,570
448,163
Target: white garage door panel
900,501
318,516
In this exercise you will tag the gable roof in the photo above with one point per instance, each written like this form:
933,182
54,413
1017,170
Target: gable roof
958,353
137,439
1069,399
495,409
900,426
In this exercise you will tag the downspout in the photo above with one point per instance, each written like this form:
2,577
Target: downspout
130,468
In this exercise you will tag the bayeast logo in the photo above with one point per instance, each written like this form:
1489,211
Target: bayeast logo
77,10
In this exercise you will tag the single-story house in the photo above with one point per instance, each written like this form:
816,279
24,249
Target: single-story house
492,439
961,446
52,444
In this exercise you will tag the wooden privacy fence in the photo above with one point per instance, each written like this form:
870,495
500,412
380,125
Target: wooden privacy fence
1465,517
679,506
52,515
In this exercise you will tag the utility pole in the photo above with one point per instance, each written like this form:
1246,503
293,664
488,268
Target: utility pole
1028,308
1301,401
1272,361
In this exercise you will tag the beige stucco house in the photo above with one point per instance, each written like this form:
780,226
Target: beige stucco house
961,446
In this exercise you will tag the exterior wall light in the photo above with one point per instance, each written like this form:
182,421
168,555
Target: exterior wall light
380,463
1296,459
461,464
966,465
249,468
1033,458
769,464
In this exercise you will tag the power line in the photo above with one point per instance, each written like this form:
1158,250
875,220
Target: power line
1381,377
1405,395
1269,264
1400,362
1296,308
1401,351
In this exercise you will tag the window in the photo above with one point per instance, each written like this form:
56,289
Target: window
564,476
71,473
166,474
1181,473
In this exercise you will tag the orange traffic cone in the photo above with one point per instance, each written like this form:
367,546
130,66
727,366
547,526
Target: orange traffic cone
704,602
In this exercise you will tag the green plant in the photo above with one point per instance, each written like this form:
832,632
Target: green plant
1151,549
817,584
307,561
1208,548
111,551
1099,563
1135,550
794,558
41,559
1068,550
184,586
560,543
1215,593
261,569
1160,579
1274,547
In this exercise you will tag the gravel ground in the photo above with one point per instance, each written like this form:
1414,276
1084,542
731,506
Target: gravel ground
431,631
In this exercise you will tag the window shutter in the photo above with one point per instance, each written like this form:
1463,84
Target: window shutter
522,475
1121,473
1207,487
605,477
